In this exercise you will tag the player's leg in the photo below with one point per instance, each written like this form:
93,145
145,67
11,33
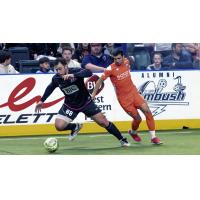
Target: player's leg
95,113
110,127
150,123
64,121
132,111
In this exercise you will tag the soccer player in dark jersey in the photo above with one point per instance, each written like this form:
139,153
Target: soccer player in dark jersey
77,99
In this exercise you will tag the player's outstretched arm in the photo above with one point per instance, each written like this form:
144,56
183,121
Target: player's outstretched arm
50,88
82,73
94,68
97,87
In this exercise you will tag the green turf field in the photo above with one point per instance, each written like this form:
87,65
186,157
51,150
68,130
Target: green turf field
183,142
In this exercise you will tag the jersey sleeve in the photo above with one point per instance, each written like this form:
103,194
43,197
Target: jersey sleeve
50,88
107,73
81,73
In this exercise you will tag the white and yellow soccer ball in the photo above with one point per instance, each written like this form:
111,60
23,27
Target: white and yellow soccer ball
51,144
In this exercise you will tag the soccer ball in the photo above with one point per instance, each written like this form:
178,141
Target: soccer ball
51,144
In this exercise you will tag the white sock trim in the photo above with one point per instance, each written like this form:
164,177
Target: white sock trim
152,134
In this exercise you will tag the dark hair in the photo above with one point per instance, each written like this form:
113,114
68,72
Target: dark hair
4,55
60,60
67,49
174,45
117,52
44,60
157,53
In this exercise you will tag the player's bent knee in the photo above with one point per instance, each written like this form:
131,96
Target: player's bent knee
61,122
60,127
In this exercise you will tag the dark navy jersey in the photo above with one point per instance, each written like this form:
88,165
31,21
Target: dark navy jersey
76,94
102,61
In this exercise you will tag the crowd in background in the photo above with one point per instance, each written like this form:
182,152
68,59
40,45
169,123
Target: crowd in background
142,56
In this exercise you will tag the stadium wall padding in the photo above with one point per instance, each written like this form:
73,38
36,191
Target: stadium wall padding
88,128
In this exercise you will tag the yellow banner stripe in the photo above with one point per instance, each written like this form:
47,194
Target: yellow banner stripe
49,129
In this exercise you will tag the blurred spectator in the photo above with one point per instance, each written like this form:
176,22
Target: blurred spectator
44,49
177,60
139,55
64,45
194,50
163,48
96,61
2,46
109,48
5,66
44,63
122,46
67,55
157,62
82,50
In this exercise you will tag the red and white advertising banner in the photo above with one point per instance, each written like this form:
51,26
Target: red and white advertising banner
170,94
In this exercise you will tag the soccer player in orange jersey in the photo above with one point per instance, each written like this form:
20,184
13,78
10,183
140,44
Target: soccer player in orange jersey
128,95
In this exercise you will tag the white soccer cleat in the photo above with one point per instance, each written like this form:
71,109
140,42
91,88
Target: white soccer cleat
124,142
75,132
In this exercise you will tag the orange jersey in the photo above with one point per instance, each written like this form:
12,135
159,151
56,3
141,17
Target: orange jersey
120,77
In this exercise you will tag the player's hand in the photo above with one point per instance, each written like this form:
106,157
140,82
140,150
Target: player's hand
38,107
68,76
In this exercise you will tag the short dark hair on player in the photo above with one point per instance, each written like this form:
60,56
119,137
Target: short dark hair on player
43,60
117,52
67,49
60,60
4,55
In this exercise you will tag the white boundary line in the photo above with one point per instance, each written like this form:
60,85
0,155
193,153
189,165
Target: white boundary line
165,133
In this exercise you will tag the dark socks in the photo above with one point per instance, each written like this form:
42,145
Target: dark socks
112,129
70,126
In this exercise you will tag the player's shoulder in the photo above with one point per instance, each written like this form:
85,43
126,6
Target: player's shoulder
74,70
56,79
56,76
110,67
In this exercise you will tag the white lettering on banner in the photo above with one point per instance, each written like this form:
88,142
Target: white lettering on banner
157,98
170,95
157,74
90,85
99,101
26,118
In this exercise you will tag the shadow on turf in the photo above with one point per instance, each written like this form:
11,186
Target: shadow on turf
86,150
